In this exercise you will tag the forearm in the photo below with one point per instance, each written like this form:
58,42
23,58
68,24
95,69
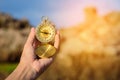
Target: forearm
22,72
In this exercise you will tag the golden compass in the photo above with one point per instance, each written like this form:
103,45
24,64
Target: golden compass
45,33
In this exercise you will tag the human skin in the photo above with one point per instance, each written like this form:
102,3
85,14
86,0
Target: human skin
30,66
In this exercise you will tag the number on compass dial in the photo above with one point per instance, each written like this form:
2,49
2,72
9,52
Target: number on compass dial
45,33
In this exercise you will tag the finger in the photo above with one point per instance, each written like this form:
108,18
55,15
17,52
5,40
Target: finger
57,40
31,37
36,43
45,62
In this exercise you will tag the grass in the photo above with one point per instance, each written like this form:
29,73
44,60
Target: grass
7,68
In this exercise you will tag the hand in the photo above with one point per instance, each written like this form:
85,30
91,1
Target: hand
30,67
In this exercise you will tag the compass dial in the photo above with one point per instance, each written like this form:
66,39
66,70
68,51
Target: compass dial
45,33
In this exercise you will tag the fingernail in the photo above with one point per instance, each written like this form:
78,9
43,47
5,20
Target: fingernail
50,59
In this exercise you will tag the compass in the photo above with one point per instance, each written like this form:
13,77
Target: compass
45,33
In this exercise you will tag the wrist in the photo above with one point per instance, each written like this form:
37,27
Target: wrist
23,72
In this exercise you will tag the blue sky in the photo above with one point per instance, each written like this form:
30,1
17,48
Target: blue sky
61,12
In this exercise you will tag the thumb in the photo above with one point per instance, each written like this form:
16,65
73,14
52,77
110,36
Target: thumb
31,37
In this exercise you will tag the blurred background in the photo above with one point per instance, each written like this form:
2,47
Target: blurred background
90,37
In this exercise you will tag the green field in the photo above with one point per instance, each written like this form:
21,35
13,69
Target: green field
6,69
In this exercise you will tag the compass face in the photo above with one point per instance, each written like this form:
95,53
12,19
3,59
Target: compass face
45,33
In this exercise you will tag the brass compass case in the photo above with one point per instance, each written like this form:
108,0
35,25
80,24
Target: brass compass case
45,33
